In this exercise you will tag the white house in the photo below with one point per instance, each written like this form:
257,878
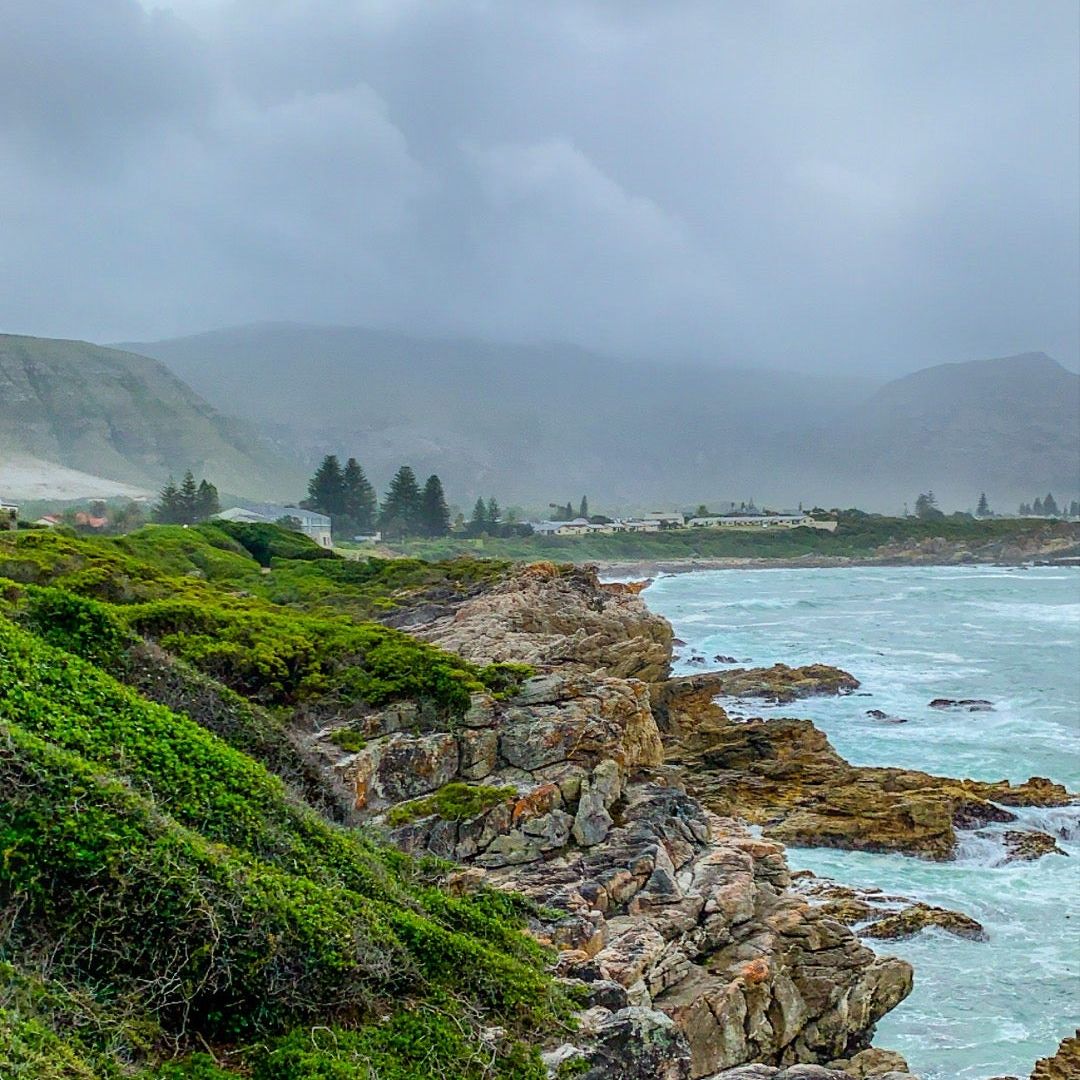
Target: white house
316,526
760,521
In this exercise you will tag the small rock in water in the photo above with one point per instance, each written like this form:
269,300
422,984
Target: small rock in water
721,659
1027,846
877,714
971,704
916,917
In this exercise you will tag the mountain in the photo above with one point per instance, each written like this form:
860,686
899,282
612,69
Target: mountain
122,421
1008,426
540,423
530,423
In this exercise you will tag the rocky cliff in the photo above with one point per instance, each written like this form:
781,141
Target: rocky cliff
690,948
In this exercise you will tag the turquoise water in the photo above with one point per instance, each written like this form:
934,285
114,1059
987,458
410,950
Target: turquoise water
910,634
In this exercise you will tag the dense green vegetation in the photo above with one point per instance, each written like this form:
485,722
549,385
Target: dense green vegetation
858,535
452,802
172,909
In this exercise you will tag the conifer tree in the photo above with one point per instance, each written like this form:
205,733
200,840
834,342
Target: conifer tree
167,510
1050,506
435,514
983,509
207,503
188,499
583,508
401,508
326,489
359,505
1037,507
479,520
493,511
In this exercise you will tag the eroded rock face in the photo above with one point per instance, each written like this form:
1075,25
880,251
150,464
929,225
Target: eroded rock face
557,618
785,775
1064,1065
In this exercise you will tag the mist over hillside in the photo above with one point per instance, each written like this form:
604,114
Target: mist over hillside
122,420
535,423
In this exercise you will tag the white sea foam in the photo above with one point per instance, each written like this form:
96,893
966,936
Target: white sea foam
911,634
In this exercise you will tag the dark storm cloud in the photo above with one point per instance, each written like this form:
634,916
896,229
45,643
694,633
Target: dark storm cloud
804,184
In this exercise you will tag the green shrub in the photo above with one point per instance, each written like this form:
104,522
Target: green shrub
452,802
348,739
76,624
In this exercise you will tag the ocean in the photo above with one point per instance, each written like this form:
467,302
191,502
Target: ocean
911,634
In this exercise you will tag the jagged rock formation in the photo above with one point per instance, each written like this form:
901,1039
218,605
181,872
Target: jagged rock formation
696,954
1064,1065
557,618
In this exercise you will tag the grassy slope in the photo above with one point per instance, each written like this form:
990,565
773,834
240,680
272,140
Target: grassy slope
162,891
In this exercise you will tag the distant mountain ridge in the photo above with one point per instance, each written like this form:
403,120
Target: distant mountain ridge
123,417
539,423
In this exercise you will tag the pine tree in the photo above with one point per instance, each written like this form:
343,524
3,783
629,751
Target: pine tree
207,503
1037,508
983,509
1074,508
493,511
925,504
188,499
401,508
583,509
1025,509
435,514
326,489
479,520
167,510
359,505
1050,506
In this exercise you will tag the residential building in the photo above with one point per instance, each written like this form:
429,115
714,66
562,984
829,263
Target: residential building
9,516
311,524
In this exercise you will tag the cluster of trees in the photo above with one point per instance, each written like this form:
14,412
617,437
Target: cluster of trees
560,512
926,507
187,504
347,496
487,520
1048,507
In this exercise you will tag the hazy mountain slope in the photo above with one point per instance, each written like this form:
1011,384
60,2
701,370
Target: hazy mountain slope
123,417
540,423
1009,426
532,423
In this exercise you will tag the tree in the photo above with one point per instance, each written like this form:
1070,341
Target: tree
583,508
358,504
188,499
493,511
1050,506
207,503
479,520
1025,509
326,489
1074,508
925,504
434,513
701,511
983,509
401,509
1037,508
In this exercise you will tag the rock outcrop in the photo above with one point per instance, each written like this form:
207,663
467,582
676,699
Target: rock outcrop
1064,1065
556,618
784,775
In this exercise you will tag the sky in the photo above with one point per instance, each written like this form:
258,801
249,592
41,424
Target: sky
818,185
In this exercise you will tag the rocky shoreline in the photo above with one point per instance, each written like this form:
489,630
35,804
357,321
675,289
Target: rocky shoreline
618,800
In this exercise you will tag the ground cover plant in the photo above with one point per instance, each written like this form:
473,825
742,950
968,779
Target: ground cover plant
170,908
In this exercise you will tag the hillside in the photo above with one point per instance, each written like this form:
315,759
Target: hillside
546,423
121,418
1008,426
529,423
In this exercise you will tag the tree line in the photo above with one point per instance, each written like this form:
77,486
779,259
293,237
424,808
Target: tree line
1048,507
188,503
348,498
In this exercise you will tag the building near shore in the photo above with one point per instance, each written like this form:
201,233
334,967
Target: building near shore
9,516
762,521
311,524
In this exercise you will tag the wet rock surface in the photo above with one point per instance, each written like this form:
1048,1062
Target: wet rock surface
1028,845
784,775
1064,1065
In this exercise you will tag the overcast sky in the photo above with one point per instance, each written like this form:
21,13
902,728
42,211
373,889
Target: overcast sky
798,183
